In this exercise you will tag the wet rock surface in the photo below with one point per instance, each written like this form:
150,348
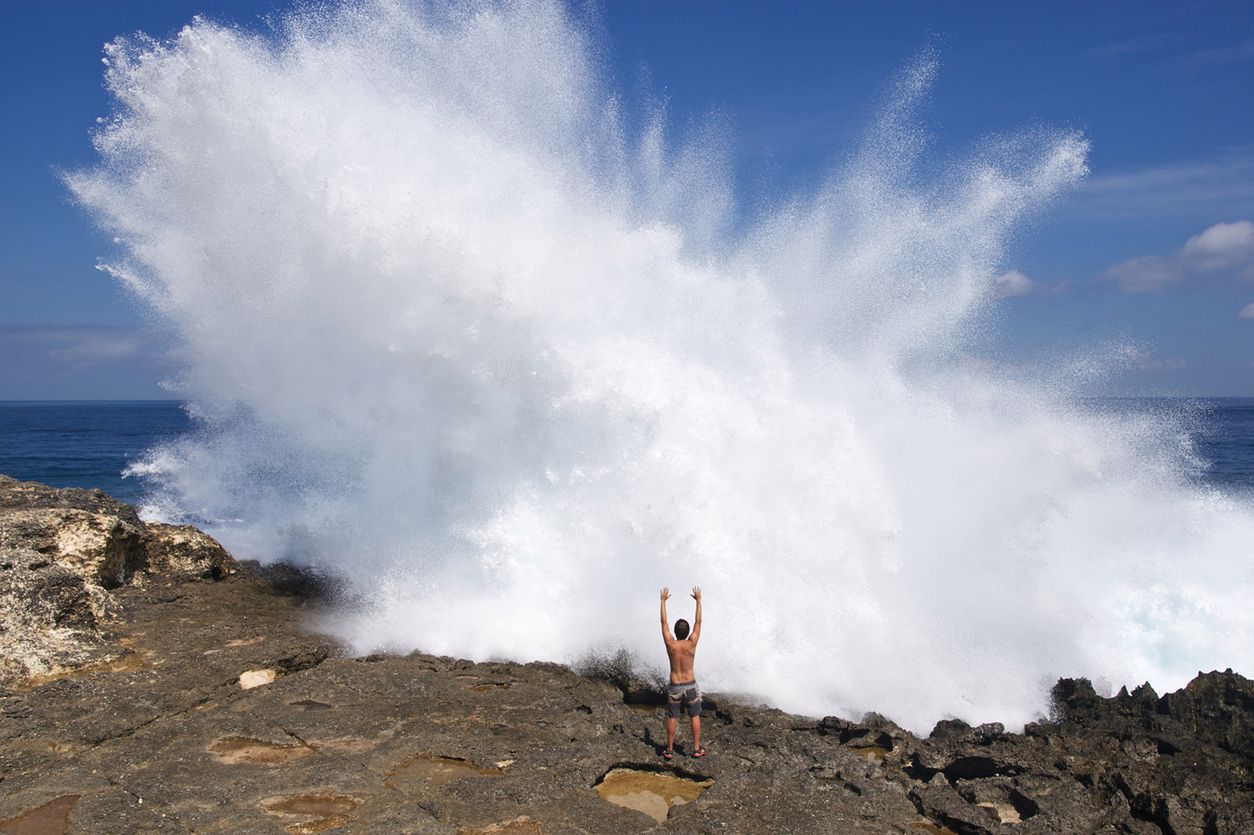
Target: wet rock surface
162,737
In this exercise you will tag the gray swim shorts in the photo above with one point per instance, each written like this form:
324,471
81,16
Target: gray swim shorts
683,697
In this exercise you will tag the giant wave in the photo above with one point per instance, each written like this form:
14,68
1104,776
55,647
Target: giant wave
455,330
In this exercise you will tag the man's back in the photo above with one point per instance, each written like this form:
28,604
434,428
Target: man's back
681,647
681,654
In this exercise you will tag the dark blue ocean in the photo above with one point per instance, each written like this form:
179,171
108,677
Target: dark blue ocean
90,443
85,443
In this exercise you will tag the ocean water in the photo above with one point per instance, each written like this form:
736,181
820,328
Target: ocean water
85,443
458,326
93,443
1219,431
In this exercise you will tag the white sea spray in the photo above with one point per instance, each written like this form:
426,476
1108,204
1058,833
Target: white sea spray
450,329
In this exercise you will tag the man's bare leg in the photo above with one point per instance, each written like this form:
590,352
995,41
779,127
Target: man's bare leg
696,734
671,722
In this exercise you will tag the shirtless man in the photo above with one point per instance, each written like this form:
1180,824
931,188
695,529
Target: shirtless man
682,694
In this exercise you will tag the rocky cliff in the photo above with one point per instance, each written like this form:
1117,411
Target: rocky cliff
149,683
61,551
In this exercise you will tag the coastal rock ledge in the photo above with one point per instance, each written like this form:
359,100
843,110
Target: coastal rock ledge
150,683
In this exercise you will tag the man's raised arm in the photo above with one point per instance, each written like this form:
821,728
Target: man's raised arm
666,629
696,626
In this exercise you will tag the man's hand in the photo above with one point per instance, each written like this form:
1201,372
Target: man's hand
666,630
696,626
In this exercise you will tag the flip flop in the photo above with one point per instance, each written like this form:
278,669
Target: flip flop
666,755
700,752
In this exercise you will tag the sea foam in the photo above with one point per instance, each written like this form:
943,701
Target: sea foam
454,328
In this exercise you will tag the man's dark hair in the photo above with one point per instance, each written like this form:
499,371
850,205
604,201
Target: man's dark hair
681,629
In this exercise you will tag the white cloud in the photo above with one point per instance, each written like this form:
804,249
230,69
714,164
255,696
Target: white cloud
1138,275
1225,248
1014,283
1170,46
87,348
1220,185
1147,361
1234,53
1247,312
77,346
1222,245
1133,46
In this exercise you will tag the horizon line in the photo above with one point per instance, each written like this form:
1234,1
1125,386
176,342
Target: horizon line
183,400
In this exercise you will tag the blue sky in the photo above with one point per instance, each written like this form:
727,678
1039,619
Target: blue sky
1156,249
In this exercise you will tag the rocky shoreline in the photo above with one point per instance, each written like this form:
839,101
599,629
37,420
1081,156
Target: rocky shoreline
151,683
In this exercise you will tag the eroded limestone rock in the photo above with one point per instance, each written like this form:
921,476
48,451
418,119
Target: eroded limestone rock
183,549
62,551
256,678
